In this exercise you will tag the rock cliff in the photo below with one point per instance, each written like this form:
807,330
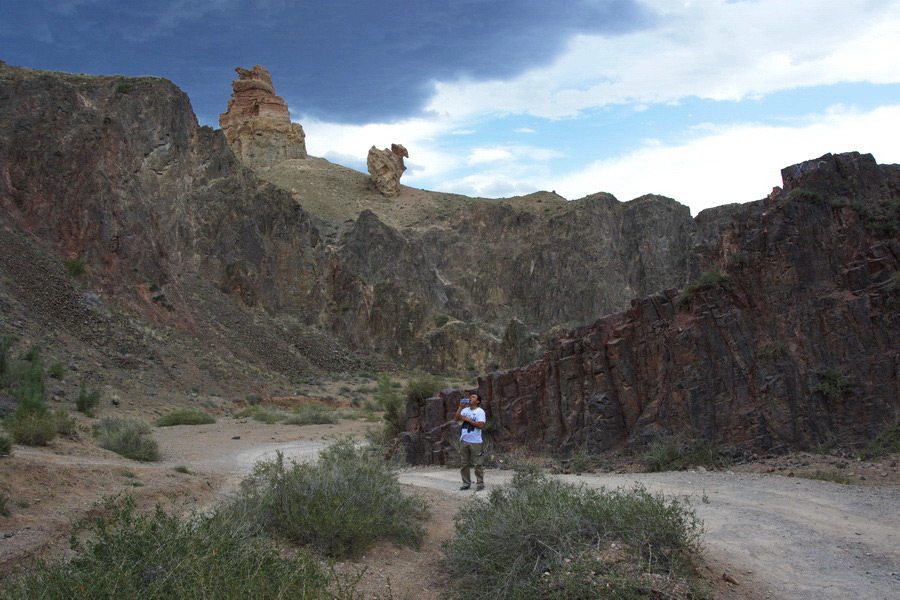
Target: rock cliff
790,336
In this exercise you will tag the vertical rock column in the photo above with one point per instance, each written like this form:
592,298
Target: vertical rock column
257,123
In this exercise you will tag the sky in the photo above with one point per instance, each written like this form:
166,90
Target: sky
703,101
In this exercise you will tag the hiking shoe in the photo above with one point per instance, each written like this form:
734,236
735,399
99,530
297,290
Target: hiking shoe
465,486
479,487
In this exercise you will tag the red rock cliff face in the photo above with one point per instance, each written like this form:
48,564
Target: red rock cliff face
802,342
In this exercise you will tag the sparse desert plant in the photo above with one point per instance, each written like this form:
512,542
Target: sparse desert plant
892,284
312,414
543,538
253,399
128,437
421,388
772,350
886,442
707,281
123,88
5,445
677,452
185,416
129,556
4,500
340,505
441,319
832,476
182,469
57,371
65,425
87,401
833,385
75,266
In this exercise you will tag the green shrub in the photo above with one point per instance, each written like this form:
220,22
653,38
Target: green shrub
707,281
182,469
57,371
542,538
312,414
75,266
31,428
263,414
253,399
420,389
5,445
804,195
340,505
886,442
87,401
881,217
892,285
4,500
677,452
185,416
123,88
128,437
441,319
772,350
833,385
157,556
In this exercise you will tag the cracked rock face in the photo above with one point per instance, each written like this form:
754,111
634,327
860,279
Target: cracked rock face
386,167
257,123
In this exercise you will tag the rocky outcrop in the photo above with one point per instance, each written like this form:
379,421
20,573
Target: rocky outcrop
386,167
257,123
800,343
116,173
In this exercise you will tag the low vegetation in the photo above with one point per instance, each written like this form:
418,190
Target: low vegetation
541,538
678,452
707,281
128,437
185,416
886,442
5,445
312,414
341,505
4,500
125,555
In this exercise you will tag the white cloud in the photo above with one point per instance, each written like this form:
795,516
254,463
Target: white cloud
524,130
704,48
483,155
734,164
463,132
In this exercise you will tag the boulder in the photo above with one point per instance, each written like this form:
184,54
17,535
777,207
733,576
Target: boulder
257,123
386,167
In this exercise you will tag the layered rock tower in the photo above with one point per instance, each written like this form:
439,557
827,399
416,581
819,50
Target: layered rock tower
257,123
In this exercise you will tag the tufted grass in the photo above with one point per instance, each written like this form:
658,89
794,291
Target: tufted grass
185,416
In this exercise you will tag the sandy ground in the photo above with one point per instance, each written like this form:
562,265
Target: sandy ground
777,537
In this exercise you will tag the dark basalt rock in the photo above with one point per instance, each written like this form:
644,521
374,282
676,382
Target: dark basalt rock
811,299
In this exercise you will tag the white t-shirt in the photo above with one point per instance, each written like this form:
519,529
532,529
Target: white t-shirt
473,436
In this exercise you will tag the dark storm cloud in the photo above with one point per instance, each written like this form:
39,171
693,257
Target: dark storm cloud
346,60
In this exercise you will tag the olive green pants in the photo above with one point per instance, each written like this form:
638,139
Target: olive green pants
471,456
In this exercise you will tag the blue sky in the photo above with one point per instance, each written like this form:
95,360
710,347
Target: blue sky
702,100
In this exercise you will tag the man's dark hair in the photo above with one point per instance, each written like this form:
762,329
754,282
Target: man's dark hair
477,395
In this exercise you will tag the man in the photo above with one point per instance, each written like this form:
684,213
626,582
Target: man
470,442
